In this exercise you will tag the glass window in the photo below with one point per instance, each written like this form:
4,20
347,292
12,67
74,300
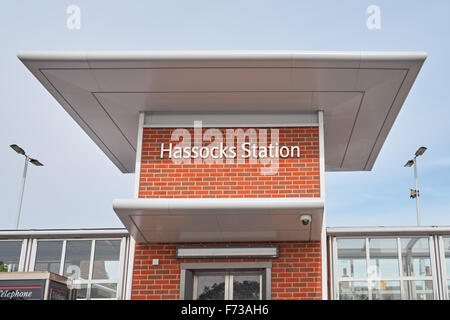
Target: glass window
383,258
393,273
104,291
419,289
416,257
448,287
351,258
106,260
81,291
77,259
227,285
10,255
48,256
386,290
353,290
93,280
447,255
210,287
446,243
246,287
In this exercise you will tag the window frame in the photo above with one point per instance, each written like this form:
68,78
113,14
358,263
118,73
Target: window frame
401,278
188,272
444,276
34,252
229,281
90,281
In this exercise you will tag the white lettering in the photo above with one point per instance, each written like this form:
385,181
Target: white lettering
284,154
245,147
220,151
198,310
239,145
195,152
169,150
296,148
204,154
233,152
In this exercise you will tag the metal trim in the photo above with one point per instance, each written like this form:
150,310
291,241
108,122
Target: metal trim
63,258
324,255
161,119
434,267
385,231
51,233
23,255
276,56
443,267
226,265
236,247
121,281
91,270
131,247
173,204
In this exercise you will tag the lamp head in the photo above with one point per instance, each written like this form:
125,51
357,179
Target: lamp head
409,163
420,151
36,162
17,149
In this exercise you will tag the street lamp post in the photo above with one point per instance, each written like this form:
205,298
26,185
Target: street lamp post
36,162
414,193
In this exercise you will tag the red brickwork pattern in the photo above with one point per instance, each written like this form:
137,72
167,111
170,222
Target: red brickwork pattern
296,273
296,177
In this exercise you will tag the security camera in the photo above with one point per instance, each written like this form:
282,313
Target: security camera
306,219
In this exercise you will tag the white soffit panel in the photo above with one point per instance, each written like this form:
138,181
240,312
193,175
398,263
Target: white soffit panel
361,93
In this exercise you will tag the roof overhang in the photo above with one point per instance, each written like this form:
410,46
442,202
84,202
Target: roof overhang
361,93
220,219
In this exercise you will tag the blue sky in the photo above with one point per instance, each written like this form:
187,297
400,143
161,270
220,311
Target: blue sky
76,186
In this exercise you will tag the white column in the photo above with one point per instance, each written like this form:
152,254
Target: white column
137,177
323,250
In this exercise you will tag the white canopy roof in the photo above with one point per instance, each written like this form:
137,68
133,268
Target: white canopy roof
361,93
221,219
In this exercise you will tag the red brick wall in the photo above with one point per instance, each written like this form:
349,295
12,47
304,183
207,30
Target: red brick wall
296,273
296,177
